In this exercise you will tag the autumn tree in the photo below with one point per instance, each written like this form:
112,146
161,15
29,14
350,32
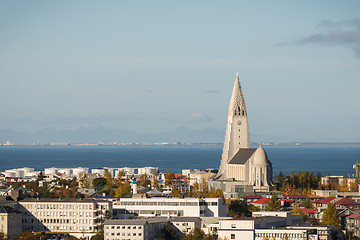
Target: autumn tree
154,182
124,189
296,210
330,216
169,178
274,204
108,177
143,180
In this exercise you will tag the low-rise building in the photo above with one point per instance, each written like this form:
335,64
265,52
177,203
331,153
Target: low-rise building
134,229
79,217
10,221
161,206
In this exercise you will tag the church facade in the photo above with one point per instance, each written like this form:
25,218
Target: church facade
242,168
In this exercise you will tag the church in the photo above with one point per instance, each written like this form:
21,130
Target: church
242,168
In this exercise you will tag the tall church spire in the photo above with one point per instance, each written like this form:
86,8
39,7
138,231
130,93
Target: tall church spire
237,130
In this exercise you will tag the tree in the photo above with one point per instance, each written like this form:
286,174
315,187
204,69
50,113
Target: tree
306,203
238,208
99,182
41,176
169,178
296,210
175,192
143,180
167,233
108,177
154,182
120,175
274,204
194,234
330,216
124,189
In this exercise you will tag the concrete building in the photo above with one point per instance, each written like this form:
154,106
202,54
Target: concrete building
10,221
242,168
78,217
272,227
185,224
134,229
162,206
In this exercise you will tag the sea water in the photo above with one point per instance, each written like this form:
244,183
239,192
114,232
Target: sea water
336,160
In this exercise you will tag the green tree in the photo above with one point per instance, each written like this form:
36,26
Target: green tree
237,208
167,233
330,216
99,182
274,204
195,234
306,203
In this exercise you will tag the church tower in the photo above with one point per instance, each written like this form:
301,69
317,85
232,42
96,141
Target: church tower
237,130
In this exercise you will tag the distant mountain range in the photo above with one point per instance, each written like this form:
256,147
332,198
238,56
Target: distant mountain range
99,134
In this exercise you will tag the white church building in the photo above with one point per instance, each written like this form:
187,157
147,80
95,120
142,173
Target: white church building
242,169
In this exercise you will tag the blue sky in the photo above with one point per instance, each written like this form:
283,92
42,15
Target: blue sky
152,66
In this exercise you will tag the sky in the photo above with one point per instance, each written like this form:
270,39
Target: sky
153,66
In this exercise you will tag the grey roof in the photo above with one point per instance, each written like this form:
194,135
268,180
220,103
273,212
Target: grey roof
185,219
141,221
7,209
242,156
60,200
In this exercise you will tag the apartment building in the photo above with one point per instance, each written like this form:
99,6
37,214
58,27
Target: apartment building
162,206
64,215
10,221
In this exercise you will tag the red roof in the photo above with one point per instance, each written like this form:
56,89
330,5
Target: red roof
346,201
294,196
178,175
252,197
315,196
262,201
356,215
325,200
287,200
308,210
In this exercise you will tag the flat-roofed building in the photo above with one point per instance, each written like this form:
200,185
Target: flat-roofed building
161,206
10,221
75,216
134,229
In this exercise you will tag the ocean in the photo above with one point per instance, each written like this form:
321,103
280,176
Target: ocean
334,160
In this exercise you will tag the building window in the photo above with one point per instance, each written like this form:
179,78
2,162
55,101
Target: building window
232,236
233,225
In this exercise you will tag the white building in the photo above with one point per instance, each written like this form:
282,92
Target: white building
134,229
10,221
161,206
78,217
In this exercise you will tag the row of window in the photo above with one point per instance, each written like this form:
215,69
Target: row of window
123,227
160,203
124,234
281,235
58,206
